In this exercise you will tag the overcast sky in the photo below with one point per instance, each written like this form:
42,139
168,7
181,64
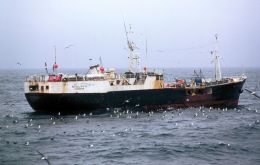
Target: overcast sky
180,33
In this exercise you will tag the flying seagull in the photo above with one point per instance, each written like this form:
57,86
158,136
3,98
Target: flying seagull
252,93
43,157
70,45
18,63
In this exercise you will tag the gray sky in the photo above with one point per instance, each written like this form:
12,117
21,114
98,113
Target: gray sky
180,33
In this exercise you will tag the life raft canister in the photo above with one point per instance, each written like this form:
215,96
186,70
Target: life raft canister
181,82
102,69
55,66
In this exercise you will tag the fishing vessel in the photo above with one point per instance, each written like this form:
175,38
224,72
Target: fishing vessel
105,88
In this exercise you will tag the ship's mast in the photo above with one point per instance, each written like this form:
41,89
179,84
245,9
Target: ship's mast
55,54
55,65
132,58
216,57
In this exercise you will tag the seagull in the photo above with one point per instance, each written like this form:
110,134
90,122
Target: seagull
70,45
43,157
195,115
18,63
15,121
252,93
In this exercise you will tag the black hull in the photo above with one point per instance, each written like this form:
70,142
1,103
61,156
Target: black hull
226,95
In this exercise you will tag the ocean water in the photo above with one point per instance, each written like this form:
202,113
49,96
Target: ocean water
184,136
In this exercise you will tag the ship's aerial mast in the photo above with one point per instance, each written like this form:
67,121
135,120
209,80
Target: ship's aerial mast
133,58
55,54
100,61
146,54
216,57
55,65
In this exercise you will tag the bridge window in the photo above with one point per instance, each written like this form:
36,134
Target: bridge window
159,77
33,88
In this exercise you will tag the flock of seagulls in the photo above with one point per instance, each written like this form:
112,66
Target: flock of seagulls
119,113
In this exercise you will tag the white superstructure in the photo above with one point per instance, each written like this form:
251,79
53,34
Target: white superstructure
96,81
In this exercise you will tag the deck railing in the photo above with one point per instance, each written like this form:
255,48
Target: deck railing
63,78
36,78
